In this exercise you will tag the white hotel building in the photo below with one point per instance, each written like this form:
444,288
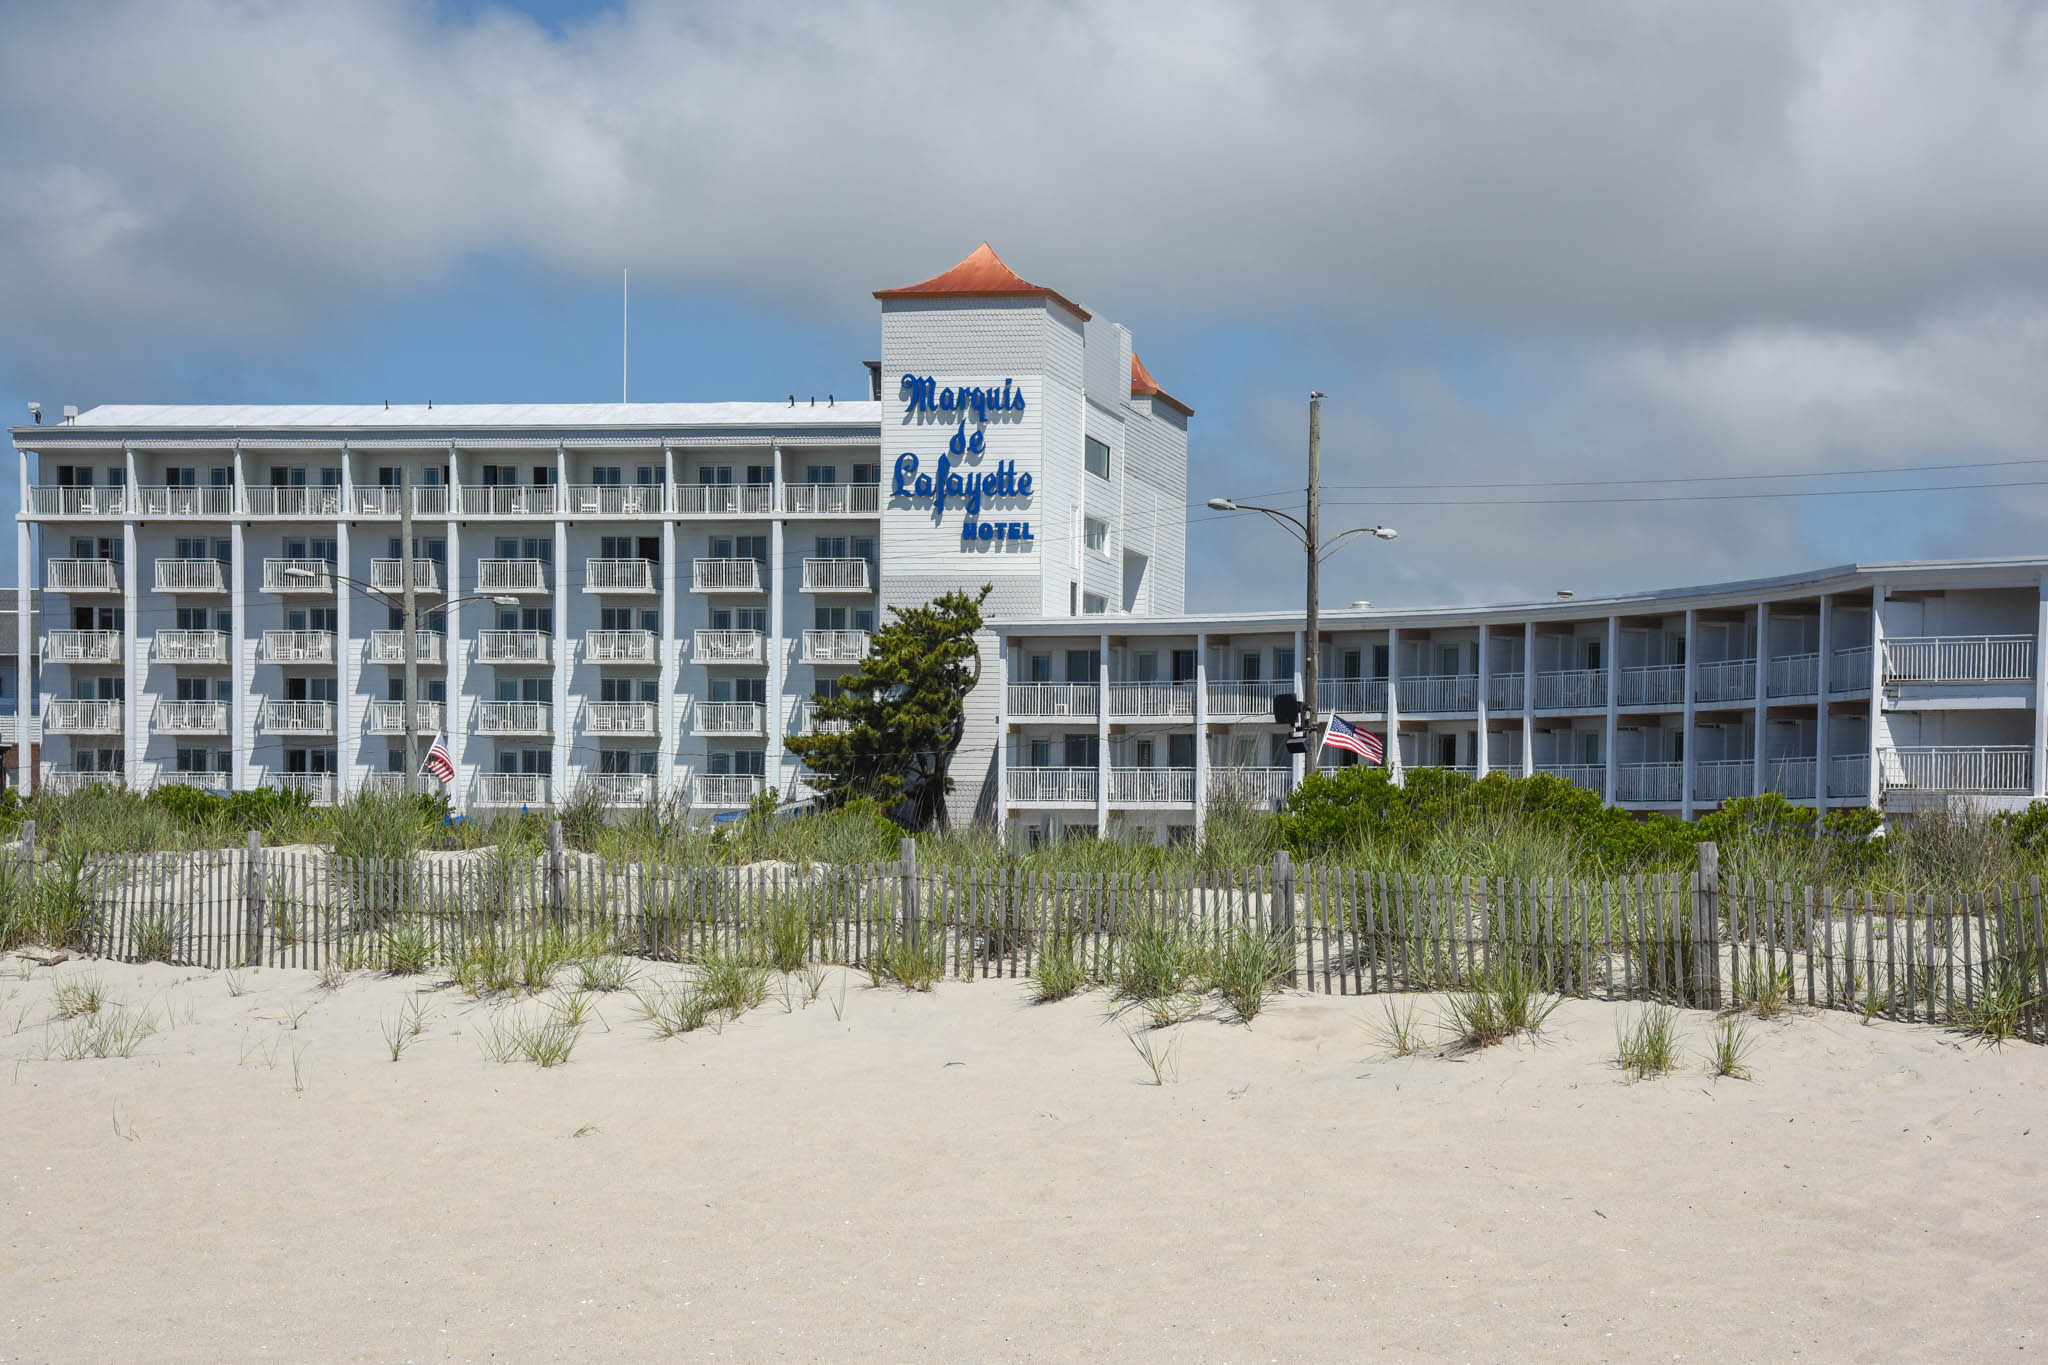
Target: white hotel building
644,599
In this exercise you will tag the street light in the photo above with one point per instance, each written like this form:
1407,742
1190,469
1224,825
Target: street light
1308,530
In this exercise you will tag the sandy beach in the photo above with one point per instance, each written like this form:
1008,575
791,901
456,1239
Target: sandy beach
967,1175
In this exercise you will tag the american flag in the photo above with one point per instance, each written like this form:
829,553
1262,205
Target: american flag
440,764
1344,735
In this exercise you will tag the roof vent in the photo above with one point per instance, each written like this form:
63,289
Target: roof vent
70,413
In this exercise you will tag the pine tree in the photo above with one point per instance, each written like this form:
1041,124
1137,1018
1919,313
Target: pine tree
899,716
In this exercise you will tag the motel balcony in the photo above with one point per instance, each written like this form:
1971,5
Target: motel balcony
1432,693
1962,770
510,791
1232,699
725,575
298,575
191,718
1150,700
388,647
1257,788
526,647
725,791
614,499
1650,685
1590,777
509,500
1959,659
1791,777
526,718
622,791
82,647
64,716
725,499
213,501
1504,691
1722,779
54,500
82,575
832,499
1849,775
391,784
1650,783
622,719
388,717
220,784
808,723
1849,670
838,575
64,781
303,500
1792,675
830,647
191,575
298,718
621,647
296,647
1572,689
1052,786
388,575
730,647
1152,786
511,575
620,575
1338,696
739,719
1724,680
190,647
1052,701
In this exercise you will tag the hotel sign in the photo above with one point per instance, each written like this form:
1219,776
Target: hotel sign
948,482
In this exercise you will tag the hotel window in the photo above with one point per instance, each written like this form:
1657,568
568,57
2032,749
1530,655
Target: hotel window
867,473
1093,604
1095,534
1097,457
821,473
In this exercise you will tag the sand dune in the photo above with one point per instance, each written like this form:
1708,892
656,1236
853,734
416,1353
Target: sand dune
966,1175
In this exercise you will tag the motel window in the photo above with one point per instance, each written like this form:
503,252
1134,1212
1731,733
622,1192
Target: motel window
1093,604
1353,661
1095,535
1040,668
867,473
1097,457
821,473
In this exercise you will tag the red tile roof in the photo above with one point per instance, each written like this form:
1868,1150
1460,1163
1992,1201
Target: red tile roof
1143,385
981,275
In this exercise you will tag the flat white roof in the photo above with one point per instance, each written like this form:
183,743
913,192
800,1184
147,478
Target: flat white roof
459,416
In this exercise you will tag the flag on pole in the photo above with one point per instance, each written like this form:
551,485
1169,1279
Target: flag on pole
440,764
1342,734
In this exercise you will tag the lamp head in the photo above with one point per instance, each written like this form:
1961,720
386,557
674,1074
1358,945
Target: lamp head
1222,505
1385,532
505,601
297,571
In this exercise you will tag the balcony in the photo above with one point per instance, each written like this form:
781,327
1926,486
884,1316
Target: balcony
390,784
838,575
725,791
1152,699
191,575
529,718
741,719
82,575
1358,696
725,575
513,791
298,718
1849,775
808,723
1258,788
725,499
298,575
214,501
620,575
1504,691
220,784
388,717
1790,777
1652,685
614,499
1723,680
388,575
64,716
616,791
1052,786
514,647
388,647
1571,689
1959,659
1722,779
1234,697
191,718
510,500
1590,777
625,719
1964,770
428,500
296,647
730,647
51,500
832,499
1849,670
82,647
1152,786
1792,675
295,501
834,647
1427,693
64,781
190,647
1048,701
511,575
621,647
1650,784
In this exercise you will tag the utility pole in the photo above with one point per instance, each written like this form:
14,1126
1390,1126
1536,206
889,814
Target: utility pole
1313,522
410,643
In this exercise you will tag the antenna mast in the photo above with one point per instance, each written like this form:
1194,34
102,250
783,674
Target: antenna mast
625,274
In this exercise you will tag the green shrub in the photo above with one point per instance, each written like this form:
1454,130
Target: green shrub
1504,1002
1249,967
1157,962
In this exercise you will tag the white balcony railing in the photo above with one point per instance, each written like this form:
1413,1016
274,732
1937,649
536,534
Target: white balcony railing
1790,777
830,647
388,647
82,647
511,575
298,575
1504,691
1237,697
508,790
64,781
1439,692
1721,779
837,575
622,790
210,500
1052,786
393,784
388,575
388,718
379,501
633,718
82,575
1650,783
509,500
1978,769
725,791
191,718
191,575
1651,685
1724,680
1849,671
219,783
190,647
619,575
833,499
726,499
725,575
50,500
1053,699
1792,675
1151,699
730,647
514,647
515,718
744,718
1959,659
1590,777
303,500
1849,775
621,647
298,718
1152,786
66,716
613,499
1339,696
1260,788
1571,689
808,723
296,647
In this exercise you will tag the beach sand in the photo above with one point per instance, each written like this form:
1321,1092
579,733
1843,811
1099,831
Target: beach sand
966,1175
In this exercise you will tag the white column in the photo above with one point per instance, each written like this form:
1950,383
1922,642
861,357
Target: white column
1202,735
28,736
565,647
1299,762
457,712
1002,680
1873,787
238,642
1820,715
2039,760
1607,744
345,737
1528,698
132,713
1395,769
1102,738
1692,619
1481,764
1762,704
665,758
778,650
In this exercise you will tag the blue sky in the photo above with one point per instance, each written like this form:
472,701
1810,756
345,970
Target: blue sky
1618,250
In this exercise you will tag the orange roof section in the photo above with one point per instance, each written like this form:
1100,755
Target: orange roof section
981,275
1143,385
